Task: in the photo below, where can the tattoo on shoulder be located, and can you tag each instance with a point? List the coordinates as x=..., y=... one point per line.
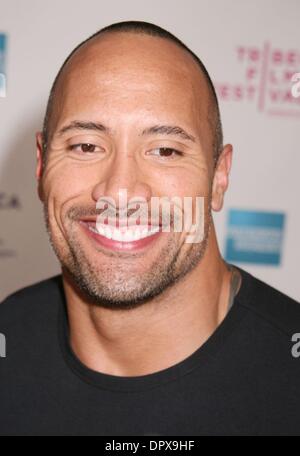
x=235, y=283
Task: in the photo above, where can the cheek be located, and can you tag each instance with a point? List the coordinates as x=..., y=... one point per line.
x=185, y=183
x=193, y=190
x=64, y=185
x=67, y=181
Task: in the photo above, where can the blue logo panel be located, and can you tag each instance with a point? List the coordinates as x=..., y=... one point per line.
x=2, y=65
x=254, y=237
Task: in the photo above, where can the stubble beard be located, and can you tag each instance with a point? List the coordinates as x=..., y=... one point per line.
x=115, y=287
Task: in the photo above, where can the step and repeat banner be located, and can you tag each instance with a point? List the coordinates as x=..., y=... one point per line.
x=252, y=52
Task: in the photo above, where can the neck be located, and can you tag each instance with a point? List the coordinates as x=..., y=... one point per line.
x=160, y=333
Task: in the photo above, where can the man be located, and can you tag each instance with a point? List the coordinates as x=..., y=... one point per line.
x=143, y=333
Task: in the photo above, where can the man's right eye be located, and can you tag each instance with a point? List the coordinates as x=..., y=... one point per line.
x=84, y=147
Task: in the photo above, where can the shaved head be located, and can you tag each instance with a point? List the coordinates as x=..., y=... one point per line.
x=138, y=28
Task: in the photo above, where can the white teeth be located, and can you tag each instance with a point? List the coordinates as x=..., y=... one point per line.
x=136, y=235
x=126, y=235
x=91, y=228
x=101, y=230
x=108, y=232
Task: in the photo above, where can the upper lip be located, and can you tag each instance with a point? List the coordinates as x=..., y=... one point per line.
x=119, y=222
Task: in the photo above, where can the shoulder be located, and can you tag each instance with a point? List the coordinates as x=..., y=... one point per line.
x=26, y=303
x=268, y=303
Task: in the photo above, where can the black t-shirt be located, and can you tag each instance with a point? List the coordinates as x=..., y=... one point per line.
x=244, y=380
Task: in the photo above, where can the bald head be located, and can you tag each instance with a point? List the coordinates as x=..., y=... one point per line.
x=92, y=51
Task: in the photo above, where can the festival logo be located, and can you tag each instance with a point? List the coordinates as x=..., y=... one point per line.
x=267, y=78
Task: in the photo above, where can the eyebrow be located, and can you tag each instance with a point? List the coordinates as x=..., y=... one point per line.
x=169, y=130
x=173, y=130
x=81, y=125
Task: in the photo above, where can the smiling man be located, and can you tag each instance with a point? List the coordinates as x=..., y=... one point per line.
x=143, y=332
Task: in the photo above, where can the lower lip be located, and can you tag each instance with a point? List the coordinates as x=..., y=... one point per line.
x=117, y=245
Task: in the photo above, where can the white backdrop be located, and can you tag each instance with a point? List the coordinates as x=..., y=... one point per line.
x=249, y=49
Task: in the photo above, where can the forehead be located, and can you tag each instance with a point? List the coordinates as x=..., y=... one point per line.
x=127, y=72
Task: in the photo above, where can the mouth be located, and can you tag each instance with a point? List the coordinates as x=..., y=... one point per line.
x=120, y=237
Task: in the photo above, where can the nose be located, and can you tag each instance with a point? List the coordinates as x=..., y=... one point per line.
x=123, y=180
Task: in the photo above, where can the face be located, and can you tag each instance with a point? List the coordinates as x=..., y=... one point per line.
x=112, y=134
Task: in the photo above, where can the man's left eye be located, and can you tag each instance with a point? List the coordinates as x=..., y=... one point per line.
x=83, y=147
x=166, y=152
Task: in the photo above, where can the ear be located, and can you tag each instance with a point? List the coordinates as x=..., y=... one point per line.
x=39, y=163
x=221, y=177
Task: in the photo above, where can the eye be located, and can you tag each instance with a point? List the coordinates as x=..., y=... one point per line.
x=165, y=152
x=84, y=147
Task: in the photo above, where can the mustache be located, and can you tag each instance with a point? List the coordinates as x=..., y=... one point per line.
x=76, y=213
